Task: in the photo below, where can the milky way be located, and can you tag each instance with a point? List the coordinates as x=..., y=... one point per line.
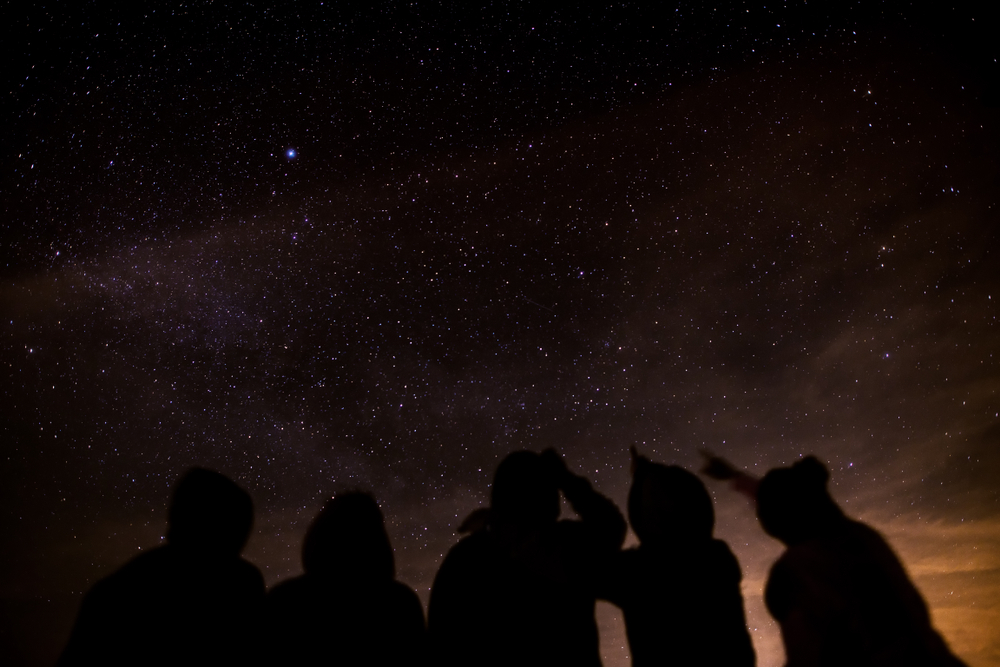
x=323, y=249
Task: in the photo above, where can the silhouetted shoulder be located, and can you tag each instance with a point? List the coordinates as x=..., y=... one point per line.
x=681, y=606
x=321, y=622
x=192, y=601
x=287, y=591
x=726, y=564
x=845, y=598
x=839, y=592
x=489, y=607
x=249, y=573
x=845, y=566
x=457, y=583
x=479, y=544
x=168, y=596
x=643, y=563
x=409, y=609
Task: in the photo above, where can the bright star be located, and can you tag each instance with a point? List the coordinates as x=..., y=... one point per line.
x=291, y=153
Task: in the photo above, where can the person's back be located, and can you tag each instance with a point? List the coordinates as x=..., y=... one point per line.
x=861, y=606
x=839, y=592
x=521, y=590
x=683, y=607
x=192, y=601
x=347, y=609
x=679, y=590
x=489, y=607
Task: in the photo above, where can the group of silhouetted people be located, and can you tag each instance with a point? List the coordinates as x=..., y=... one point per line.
x=520, y=587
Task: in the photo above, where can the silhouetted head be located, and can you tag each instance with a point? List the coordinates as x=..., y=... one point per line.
x=525, y=491
x=668, y=504
x=793, y=504
x=209, y=513
x=347, y=539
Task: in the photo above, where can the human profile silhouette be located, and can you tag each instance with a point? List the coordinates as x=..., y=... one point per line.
x=679, y=590
x=348, y=608
x=521, y=589
x=839, y=592
x=192, y=601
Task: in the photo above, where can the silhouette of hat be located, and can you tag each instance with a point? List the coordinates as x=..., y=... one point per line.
x=668, y=503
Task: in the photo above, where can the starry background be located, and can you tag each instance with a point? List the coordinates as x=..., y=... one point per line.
x=319, y=247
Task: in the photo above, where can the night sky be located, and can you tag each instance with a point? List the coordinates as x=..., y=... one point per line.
x=321, y=247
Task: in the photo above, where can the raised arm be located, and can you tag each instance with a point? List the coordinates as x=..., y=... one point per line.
x=601, y=517
x=719, y=468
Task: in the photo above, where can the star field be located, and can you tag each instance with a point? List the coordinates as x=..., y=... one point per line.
x=322, y=247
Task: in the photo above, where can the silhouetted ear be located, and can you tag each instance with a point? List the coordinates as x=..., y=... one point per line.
x=811, y=471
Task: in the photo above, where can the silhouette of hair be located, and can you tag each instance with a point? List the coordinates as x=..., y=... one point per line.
x=839, y=592
x=348, y=536
x=347, y=609
x=209, y=512
x=793, y=504
x=668, y=503
x=525, y=490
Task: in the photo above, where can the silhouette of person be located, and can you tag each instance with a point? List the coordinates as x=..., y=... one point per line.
x=521, y=589
x=839, y=593
x=679, y=589
x=348, y=608
x=192, y=601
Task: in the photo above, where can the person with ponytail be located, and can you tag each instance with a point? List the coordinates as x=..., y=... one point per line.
x=839, y=592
